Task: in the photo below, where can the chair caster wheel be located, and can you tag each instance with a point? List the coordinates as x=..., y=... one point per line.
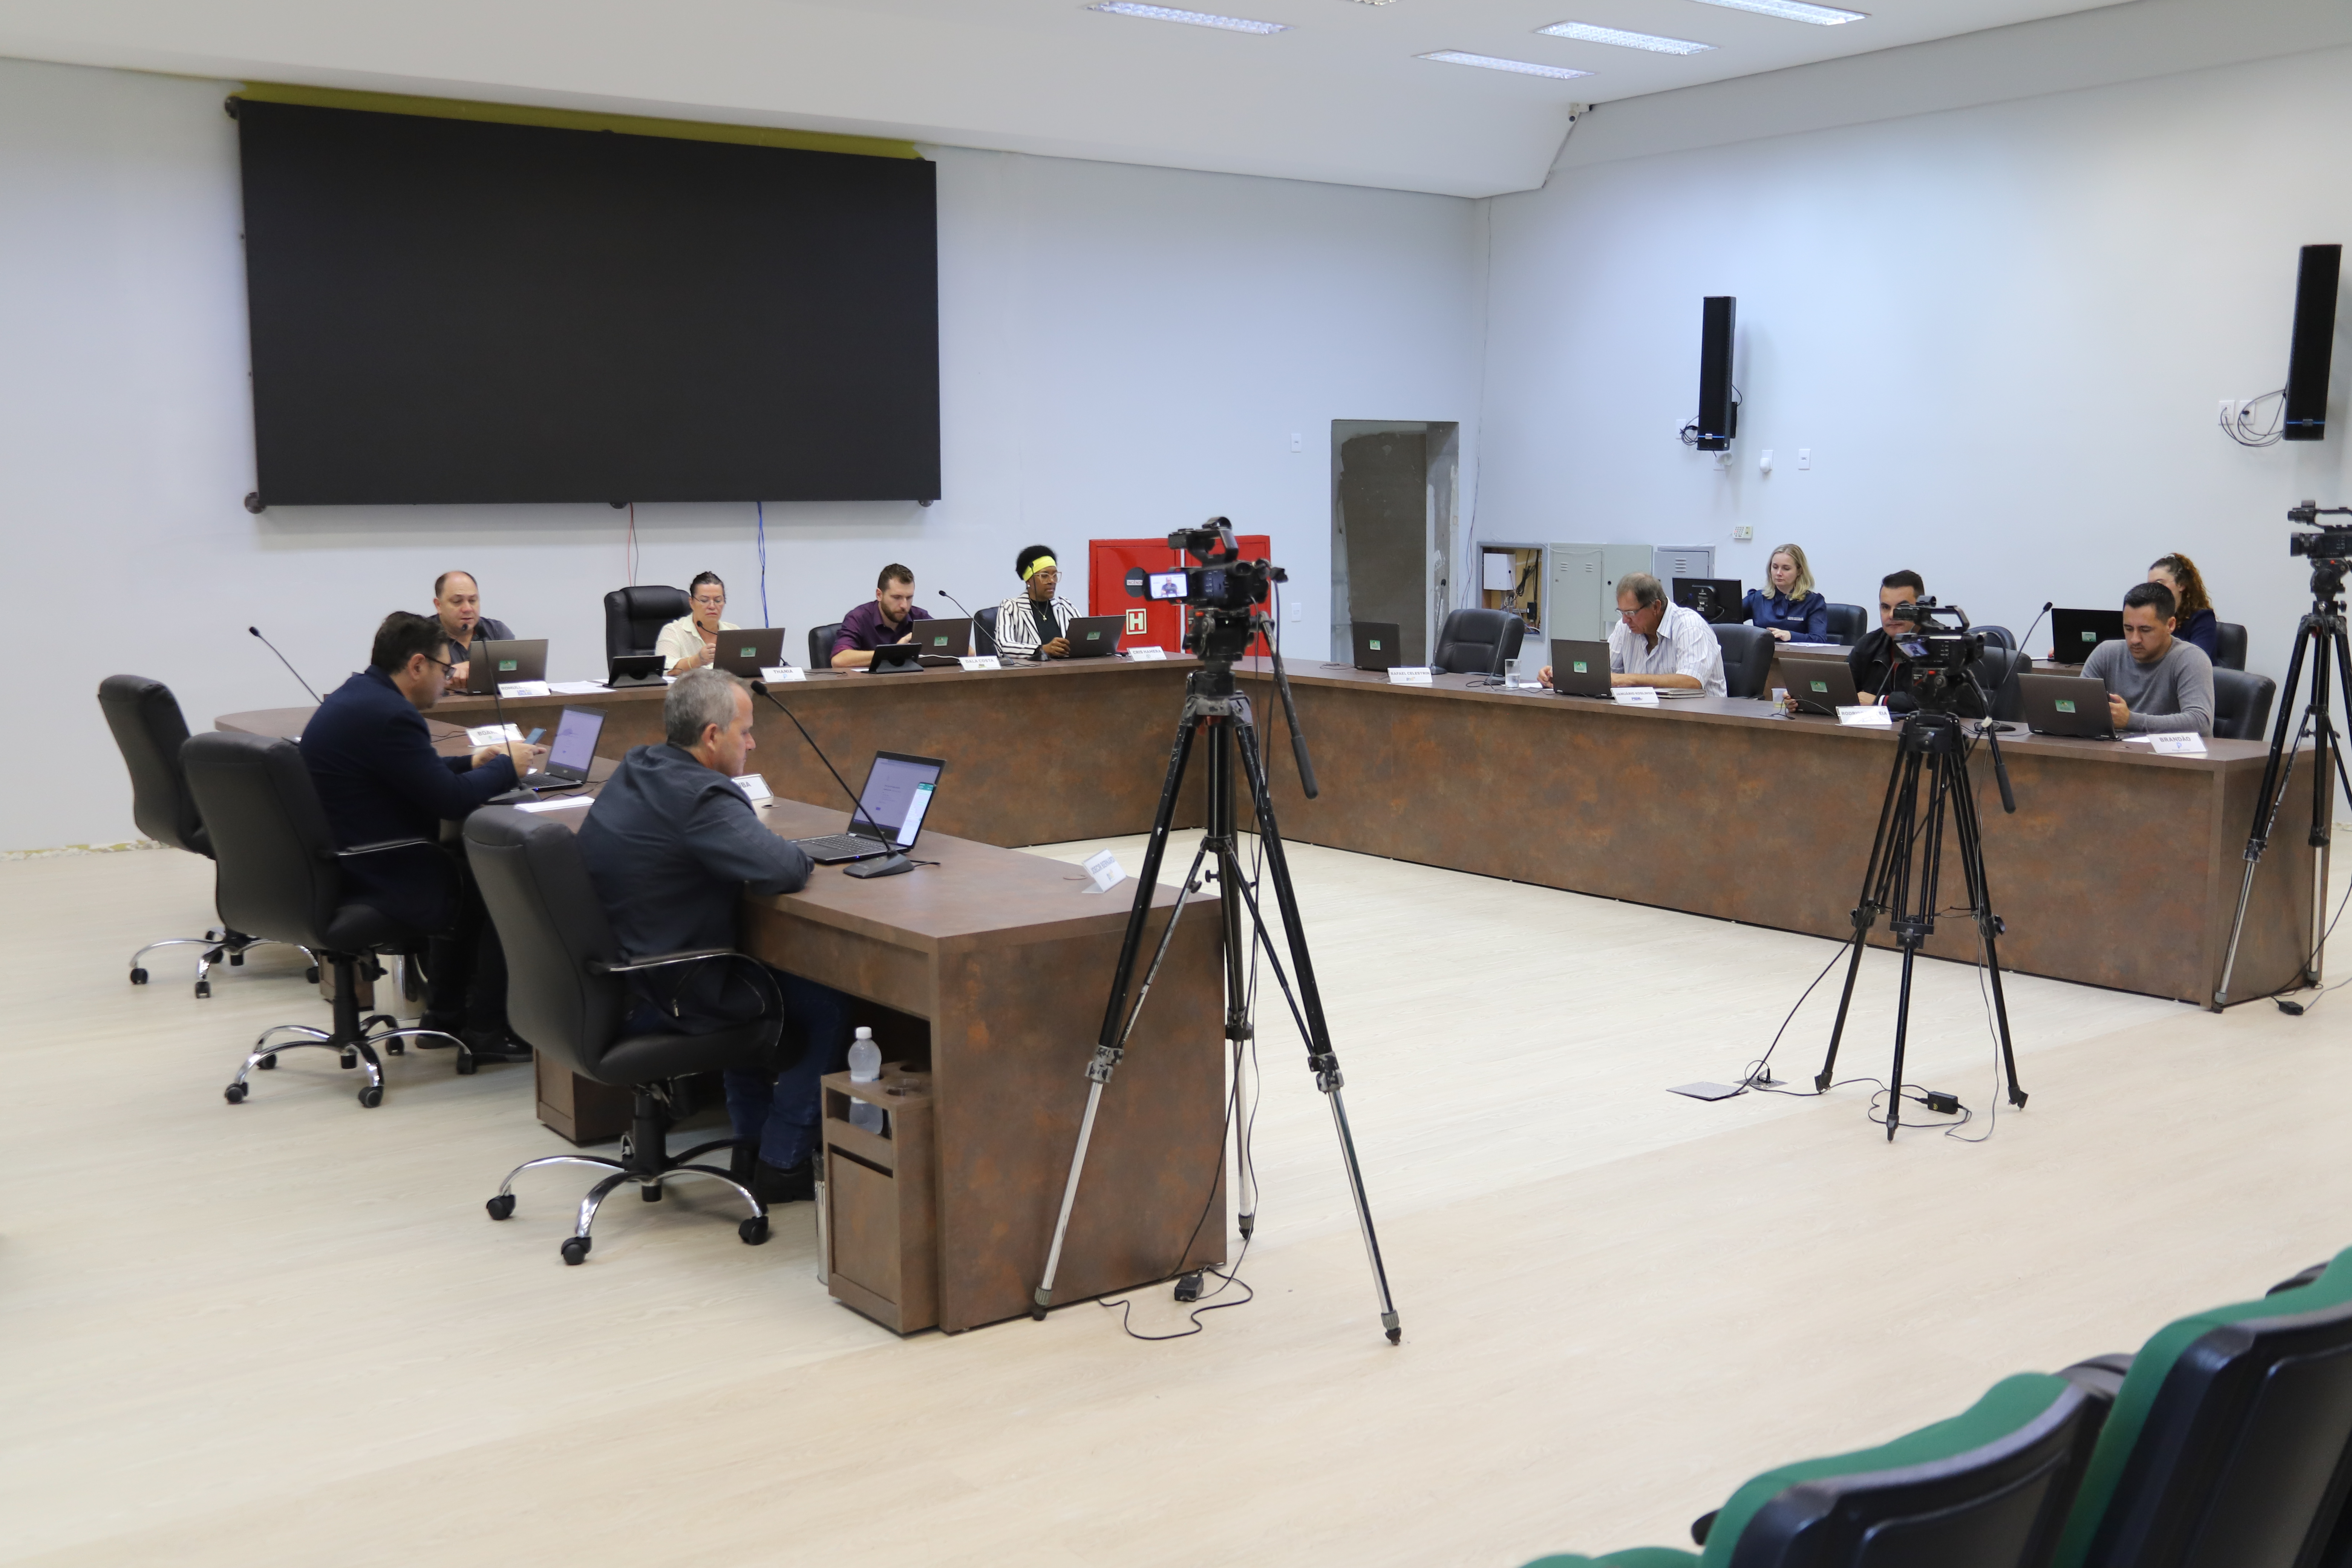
x=466, y=1064
x=501, y=1206
x=348, y=1060
x=649, y=1192
x=212, y=955
x=575, y=1249
x=372, y=1096
x=753, y=1230
x=234, y=1093
x=267, y=1064
x=396, y=1048
x=236, y=961
x=204, y=989
x=310, y=976
x=137, y=977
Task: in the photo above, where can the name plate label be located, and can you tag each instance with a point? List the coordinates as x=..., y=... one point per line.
x=1635, y=696
x=784, y=672
x=1867, y=716
x=754, y=785
x=524, y=689
x=2187, y=743
x=1409, y=675
x=494, y=735
x=1106, y=870
x=1147, y=654
x=980, y=661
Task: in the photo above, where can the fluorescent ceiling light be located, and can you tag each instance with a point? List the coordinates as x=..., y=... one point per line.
x=1586, y=32
x=1793, y=11
x=1197, y=18
x=1525, y=68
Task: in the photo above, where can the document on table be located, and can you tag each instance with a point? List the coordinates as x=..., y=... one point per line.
x=565, y=804
x=574, y=688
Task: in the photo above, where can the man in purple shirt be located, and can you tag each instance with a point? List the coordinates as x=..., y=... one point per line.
x=890, y=618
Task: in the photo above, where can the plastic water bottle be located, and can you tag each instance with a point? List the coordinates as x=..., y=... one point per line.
x=864, y=1066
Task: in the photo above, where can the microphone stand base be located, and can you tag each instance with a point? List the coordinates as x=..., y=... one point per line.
x=887, y=866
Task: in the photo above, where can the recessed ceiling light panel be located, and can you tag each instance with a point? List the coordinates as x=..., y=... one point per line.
x=1196, y=18
x=1793, y=11
x=1586, y=32
x=1492, y=63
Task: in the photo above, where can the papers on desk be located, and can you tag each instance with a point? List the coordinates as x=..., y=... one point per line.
x=565, y=804
x=524, y=689
x=574, y=688
x=494, y=735
x=2186, y=742
x=1867, y=716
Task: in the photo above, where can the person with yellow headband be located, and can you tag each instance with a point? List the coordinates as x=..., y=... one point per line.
x=1035, y=623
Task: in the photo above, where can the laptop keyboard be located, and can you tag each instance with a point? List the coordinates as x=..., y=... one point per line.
x=841, y=846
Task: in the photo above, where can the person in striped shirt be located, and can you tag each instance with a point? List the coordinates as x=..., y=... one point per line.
x=1036, y=622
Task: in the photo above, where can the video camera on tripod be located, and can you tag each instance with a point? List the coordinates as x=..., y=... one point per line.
x=2332, y=545
x=1940, y=647
x=1223, y=592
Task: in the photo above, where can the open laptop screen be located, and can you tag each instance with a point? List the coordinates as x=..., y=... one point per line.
x=575, y=741
x=898, y=793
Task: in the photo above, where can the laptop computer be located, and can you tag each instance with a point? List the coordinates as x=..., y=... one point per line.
x=1820, y=685
x=2066, y=705
x=2074, y=633
x=1579, y=669
x=747, y=653
x=624, y=670
x=1715, y=599
x=1376, y=645
x=1093, y=637
x=939, y=643
x=896, y=798
x=489, y=664
x=569, y=753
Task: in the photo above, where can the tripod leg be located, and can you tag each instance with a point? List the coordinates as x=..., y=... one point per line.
x=2323, y=779
x=1901, y=783
x=1238, y=1028
x=1989, y=926
x=2276, y=773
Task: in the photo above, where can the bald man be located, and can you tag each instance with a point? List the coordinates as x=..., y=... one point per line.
x=458, y=601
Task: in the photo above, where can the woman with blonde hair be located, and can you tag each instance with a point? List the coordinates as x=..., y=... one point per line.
x=1790, y=610
x=2192, y=612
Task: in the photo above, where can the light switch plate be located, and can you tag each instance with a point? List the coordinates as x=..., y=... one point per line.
x=1804, y=457
x=1743, y=534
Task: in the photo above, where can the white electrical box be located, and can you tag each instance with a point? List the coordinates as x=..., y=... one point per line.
x=1584, y=587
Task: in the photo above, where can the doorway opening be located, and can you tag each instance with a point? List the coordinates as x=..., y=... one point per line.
x=1395, y=517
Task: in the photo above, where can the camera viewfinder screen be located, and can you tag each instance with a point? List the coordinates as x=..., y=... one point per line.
x=1167, y=584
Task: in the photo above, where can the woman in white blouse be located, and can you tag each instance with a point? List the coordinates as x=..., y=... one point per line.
x=691, y=641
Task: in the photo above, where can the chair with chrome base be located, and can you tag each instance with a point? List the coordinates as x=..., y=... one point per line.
x=565, y=994
x=282, y=877
x=1989, y=1488
x=149, y=731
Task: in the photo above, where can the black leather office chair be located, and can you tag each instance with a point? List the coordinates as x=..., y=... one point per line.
x=820, y=644
x=984, y=628
x=2229, y=645
x=1996, y=672
x=1848, y=622
x=1478, y=642
x=2241, y=704
x=149, y=731
x=1999, y=637
x=565, y=996
x=282, y=877
x=635, y=616
x=1746, y=658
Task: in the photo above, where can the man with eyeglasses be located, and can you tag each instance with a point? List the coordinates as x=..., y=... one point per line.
x=1656, y=642
x=691, y=641
x=1036, y=622
x=379, y=779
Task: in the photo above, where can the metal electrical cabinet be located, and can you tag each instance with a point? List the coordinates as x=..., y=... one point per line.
x=1584, y=587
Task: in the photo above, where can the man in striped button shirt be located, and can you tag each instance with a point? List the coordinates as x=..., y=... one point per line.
x=1656, y=642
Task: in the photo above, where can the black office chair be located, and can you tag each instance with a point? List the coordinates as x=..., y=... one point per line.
x=2241, y=704
x=2231, y=1438
x=2229, y=645
x=149, y=731
x=564, y=995
x=1997, y=670
x=1999, y=636
x=820, y=644
x=1746, y=658
x=635, y=616
x=984, y=628
x=282, y=877
x=1479, y=642
x=1848, y=622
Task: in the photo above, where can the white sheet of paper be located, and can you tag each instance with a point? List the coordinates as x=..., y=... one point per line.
x=980, y=661
x=1147, y=654
x=492, y=735
x=1867, y=716
x=1106, y=870
x=1635, y=696
x=753, y=785
x=2187, y=743
x=524, y=689
x=1409, y=675
x=573, y=687
x=565, y=804
x=784, y=672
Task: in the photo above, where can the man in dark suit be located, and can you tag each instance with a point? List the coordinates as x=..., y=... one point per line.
x=457, y=604
x=672, y=845
x=379, y=779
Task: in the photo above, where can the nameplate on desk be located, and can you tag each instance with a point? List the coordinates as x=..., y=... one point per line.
x=1106, y=870
x=566, y=804
x=1867, y=716
x=980, y=661
x=494, y=735
x=784, y=672
x=1409, y=675
x=1635, y=696
x=2185, y=743
x=524, y=689
x=1147, y=654
x=753, y=785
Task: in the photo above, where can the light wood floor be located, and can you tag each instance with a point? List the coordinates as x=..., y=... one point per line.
x=286, y=1333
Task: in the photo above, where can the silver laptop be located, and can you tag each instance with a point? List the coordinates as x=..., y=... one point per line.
x=490, y=665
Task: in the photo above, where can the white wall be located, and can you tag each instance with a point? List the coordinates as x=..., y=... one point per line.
x=1123, y=350
x=2003, y=332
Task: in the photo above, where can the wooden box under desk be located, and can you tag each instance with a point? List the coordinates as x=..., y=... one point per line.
x=881, y=1197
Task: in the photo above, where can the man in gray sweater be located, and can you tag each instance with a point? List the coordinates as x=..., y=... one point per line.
x=2155, y=681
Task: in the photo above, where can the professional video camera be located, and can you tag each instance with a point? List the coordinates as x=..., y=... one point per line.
x=1940, y=647
x=2331, y=546
x=1223, y=593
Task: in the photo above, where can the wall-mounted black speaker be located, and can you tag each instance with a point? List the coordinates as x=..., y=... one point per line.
x=2315, y=338
x=1718, y=417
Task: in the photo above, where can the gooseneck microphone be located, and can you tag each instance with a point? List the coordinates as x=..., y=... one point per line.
x=959, y=605
x=286, y=662
x=2018, y=656
x=891, y=865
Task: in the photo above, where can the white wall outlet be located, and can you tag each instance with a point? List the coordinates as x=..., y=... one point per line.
x=1743, y=534
x=1764, y=463
x=1804, y=457
x=1297, y=442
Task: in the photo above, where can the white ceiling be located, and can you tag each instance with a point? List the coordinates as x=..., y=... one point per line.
x=1340, y=97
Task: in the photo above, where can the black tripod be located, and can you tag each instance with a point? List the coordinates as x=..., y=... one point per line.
x=1214, y=710
x=1934, y=744
x=2320, y=633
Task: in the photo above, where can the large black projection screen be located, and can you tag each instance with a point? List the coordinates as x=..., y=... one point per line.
x=450, y=310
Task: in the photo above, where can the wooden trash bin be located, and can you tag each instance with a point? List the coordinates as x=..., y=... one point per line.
x=881, y=1219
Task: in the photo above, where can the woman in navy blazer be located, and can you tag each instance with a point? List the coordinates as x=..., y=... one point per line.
x=1791, y=611
x=2193, y=617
